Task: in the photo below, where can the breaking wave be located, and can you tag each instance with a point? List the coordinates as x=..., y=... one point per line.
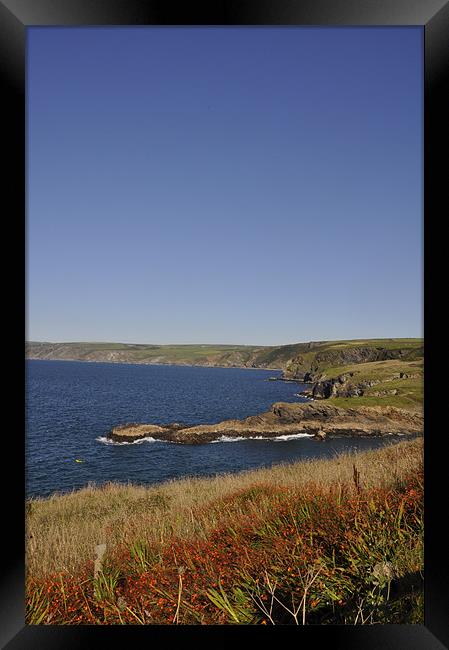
x=108, y=441
x=291, y=436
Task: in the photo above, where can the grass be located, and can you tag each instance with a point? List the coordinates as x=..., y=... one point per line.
x=385, y=377
x=329, y=359
x=376, y=369
x=139, y=352
x=409, y=403
x=410, y=395
x=297, y=355
x=312, y=542
x=389, y=344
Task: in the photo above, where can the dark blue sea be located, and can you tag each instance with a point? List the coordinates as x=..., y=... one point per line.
x=71, y=405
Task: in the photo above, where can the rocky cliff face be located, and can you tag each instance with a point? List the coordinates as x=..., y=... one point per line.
x=309, y=368
x=348, y=385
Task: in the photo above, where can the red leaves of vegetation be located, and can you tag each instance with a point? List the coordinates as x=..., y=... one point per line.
x=307, y=561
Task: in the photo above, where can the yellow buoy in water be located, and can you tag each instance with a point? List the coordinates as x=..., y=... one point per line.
x=77, y=460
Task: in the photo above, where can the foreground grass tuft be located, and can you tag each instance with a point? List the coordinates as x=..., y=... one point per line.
x=322, y=542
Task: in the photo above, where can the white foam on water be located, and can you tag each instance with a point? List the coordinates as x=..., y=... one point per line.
x=108, y=441
x=291, y=436
x=227, y=439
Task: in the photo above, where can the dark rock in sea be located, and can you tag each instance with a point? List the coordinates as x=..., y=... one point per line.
x=317, y=419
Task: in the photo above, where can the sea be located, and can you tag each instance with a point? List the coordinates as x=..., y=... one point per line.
x=71, y=406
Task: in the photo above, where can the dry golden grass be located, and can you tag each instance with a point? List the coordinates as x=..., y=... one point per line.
x=62, y=531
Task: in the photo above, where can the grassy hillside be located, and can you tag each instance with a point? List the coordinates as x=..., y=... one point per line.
x=336, y=541
x=140, y=353
x=321, y=360
x=382, y=383
x=295, y=359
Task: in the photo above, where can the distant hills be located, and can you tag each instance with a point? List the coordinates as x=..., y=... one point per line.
x=296, y=360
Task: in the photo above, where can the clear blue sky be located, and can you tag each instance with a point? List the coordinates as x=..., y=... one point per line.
x=224, y=185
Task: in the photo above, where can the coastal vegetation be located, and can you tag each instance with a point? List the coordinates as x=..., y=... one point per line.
x=316, y=542
x=394, y=382
x=334, y=541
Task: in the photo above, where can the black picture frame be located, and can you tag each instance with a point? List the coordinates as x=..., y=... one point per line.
x=433, y=15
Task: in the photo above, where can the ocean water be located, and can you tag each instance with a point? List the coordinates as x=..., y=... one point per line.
x=70, y=407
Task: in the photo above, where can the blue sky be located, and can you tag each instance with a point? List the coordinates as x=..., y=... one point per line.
x=224, y=185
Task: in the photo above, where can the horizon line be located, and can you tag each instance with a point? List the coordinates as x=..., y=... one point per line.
x=253, y=345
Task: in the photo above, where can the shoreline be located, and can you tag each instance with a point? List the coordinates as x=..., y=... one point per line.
x=332, y=462
x=180, y=365
x=311, y=418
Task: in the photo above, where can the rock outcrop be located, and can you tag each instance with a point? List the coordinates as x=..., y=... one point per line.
x=317, y=419
x=349, y=385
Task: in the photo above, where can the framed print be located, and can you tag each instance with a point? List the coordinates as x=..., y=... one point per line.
x=230, y=234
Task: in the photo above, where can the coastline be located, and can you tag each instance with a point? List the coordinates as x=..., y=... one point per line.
x=160, y=363
x=316, y=419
